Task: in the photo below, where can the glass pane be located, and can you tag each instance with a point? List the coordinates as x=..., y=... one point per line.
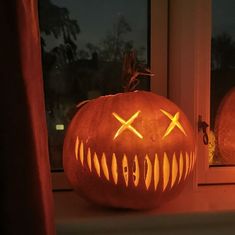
x=222, y=134
x=83, y=43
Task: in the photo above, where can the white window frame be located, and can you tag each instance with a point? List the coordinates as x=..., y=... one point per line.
x=159, y=46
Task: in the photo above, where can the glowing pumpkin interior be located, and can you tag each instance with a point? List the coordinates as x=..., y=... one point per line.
x=130, y=150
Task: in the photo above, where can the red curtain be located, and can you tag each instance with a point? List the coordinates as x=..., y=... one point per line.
x=26, y=187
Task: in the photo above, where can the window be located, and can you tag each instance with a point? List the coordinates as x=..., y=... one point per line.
x=76, y=36
x=222, y=148
x=191, y=69
x=218, y=169
x=184, y=63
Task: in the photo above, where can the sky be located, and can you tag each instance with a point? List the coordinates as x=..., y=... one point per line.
x=223, y=17
x=95, y=18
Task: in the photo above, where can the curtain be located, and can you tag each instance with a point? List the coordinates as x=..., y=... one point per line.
x=26, y=194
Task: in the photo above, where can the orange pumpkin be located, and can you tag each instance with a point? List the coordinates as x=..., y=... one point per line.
x=129, y=150
x=225, y=128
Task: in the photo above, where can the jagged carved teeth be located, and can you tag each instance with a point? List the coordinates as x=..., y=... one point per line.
x=168, y=172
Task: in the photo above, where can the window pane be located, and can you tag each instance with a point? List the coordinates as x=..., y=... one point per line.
x=83, y=42
x=222, y=135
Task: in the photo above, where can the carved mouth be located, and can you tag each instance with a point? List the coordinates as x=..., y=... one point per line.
x=173, y=171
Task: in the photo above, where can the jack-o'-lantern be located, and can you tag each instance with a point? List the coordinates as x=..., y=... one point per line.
x=129, y=150
x=225, y=128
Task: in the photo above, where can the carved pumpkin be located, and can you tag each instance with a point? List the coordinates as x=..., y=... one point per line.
x=225, y=128
x=129, y=150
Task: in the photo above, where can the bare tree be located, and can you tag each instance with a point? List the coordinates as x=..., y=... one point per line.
x=114, y=44
x=56, y=20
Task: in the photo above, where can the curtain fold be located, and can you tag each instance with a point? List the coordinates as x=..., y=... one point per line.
x=25, y=173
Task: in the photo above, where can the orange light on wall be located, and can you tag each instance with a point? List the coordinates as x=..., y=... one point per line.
x=225, y=128
x=129, y=150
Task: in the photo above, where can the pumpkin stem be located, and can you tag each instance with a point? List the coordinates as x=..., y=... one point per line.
x=131, y=71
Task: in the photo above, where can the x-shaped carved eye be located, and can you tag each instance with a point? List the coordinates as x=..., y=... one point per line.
x=127, y=125
x=174, y=122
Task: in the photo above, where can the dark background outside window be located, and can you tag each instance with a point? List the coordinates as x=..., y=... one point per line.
x=83, y=43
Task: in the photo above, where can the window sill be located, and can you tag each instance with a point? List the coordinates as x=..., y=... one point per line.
x=204, y=207
x=203, y=224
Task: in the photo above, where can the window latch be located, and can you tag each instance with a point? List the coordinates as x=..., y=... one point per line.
x=202, y=126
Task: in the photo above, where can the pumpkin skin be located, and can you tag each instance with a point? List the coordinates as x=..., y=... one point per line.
x=225, y=128
x=107, y=161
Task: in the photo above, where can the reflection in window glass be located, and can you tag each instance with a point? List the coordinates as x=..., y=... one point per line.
x=222, y=135
x=83, y=43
